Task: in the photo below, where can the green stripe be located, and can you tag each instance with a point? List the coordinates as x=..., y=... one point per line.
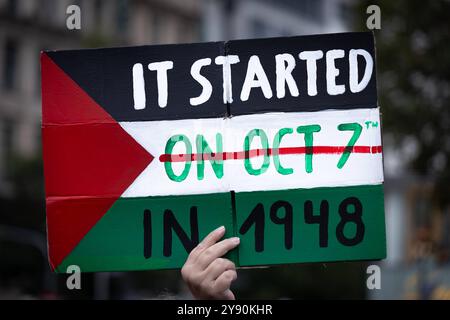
x=116, y=243
x=305, y=237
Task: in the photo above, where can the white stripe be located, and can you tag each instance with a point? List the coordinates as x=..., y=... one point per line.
x=360, y=169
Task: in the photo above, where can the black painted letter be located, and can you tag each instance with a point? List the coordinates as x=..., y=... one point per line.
x=170, y=223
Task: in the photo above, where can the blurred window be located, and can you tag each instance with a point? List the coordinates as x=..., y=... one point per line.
x=258, y=28
x=11, y=6
x=98, y=8
x=46, y=10
x=122, y=15
x=9, y=64
x=156, y=27
x=345, y=12
x=311, y=9
x=183, y=29
x=7, y=145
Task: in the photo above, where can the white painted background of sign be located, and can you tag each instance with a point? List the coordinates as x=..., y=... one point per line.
x=360, y=169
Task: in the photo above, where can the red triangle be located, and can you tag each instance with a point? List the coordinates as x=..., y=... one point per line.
x=69, y=220
x=63, y=101
x=89, y=160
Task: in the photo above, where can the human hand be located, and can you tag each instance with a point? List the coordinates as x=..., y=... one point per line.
x=207, y=274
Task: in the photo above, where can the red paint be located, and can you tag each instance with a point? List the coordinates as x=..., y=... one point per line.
x=63, y=101
x=87, y=165
x=69, y=219
x=90, y=160
x=259, y=152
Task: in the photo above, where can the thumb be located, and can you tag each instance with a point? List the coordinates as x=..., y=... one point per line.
x=228, y=295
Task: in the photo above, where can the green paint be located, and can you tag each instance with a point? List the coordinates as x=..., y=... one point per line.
x=356, y=128
x=309, y=142
x=265, y=146
x=306, y=246
x=116, y=242
x=187, y=164
x=203, y=148
x=369, y=123
x=276, y=158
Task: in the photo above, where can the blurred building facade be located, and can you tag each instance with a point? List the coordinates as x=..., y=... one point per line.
x=26, y=28
x=238, y=19
x=29, y=26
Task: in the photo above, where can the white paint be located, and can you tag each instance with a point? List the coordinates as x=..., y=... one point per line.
x=311, y=58
x=153, y=136
x=256, y=76
x=360, y=169
x=161, y=69
x=206, y=85
x=285, y=64
x=255, y=68
x=332, y=72
x=226, y=62
x=356, y=86
x=138, y=87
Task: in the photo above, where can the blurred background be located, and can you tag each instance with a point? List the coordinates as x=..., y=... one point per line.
x=413, y=65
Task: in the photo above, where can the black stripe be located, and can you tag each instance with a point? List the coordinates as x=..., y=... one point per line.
x=266, y=49
x=106, y=76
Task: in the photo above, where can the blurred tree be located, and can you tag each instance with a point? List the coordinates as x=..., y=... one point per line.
x=413, y=62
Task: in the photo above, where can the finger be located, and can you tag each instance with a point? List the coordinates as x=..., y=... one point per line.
x=216, y=251
x=208, y=241
x=224, y=281
x=228, y=295
x=217, y=267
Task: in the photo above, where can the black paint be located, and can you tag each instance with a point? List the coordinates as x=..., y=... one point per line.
x=256, y=218
x=287, y=220
x=321, y=219
x=171, y=224
x=266, y=49
x=106, y=76
x=350, y=217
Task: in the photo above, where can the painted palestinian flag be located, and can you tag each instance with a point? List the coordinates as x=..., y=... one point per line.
x=148, y=149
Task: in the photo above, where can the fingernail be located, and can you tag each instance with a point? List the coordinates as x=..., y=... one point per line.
x=221, y=228
x=235, y=240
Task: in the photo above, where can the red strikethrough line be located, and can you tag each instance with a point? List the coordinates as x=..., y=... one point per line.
x=260, y=152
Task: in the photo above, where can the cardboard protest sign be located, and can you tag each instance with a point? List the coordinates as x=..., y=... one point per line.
x=148, y=149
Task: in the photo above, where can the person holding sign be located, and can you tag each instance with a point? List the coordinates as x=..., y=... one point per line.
x=206, y=273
